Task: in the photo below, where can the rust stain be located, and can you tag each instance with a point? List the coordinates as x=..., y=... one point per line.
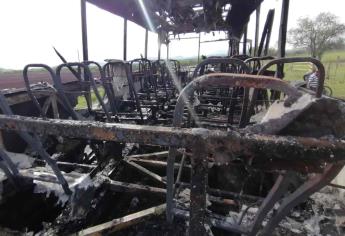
x=103, y=134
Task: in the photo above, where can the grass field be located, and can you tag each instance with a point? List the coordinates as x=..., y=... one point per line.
x=82, y=101
x=334, y=62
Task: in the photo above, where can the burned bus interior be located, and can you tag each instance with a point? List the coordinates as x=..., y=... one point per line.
x=224, y=147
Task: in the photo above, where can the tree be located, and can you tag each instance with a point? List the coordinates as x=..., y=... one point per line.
x=317, y=35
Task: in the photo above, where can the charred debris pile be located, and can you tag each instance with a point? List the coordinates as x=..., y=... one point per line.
x=222, y=150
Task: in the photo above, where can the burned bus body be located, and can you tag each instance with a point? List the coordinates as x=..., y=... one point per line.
x=229, y=149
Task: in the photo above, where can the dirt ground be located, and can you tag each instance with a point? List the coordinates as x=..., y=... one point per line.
x=15, y=79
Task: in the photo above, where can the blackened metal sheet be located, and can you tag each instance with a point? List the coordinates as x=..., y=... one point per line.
x=181, y=16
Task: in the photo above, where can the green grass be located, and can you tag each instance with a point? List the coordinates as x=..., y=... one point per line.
x=82, y=101
x=334, y=63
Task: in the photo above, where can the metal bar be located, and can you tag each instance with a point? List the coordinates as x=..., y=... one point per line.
x=146, y=41
x=336, y=186
x=278, y=190
x=245, y=39
x=199, y=184
x=159, y=47
x=145, y=171
x=125, y=39
x=283, y=35
x=313, y=185
x=84, y=30
x=36, y=144
x=183, y=38
x=47, y=104
x=54, y=105
x=123, y=222
x=217, y=221
x=73, y=71
x=212, y=41
x=257, y=28
x=68, y=165
x=181, y=166
x=272, y=147
x=95, y=88
x=210, y=61
x=28, y=87
x=232, y=195
x=131, y=188
x=167, y=51
x=150, y=155
x=199, y=48
x=265, y=32
x=117, y=186
x=170, y=184
x=269, y=33
x=154, y=163
x=61, y=91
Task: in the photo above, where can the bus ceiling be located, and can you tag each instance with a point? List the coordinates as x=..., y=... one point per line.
x=184, y=16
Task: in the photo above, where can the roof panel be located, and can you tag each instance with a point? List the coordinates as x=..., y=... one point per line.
x=184, y=16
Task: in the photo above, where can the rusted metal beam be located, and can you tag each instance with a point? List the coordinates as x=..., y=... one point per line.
x=199, y=182
x=154, y=155
x=147, y=172
x=232, y=143
x=217, y=221
x=118, y=186
x=123, y=222
x=227, y=194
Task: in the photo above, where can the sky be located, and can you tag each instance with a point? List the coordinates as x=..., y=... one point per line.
x=30, y=28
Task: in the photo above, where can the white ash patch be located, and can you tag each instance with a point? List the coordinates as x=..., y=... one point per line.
x=51, y=188
x=21, y=160
x=279, y=116
x=277, y=109
x=84, y=182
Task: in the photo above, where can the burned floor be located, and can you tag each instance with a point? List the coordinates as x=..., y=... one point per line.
x=233, y=152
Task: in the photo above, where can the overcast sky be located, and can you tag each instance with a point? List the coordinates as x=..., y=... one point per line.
x=29, y=29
